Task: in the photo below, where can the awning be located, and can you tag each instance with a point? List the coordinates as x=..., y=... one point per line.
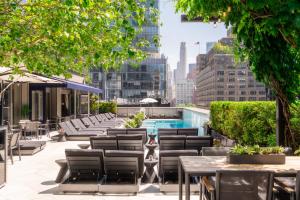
x=82, y=87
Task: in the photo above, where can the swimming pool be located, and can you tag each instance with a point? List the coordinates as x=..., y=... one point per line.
x=190, y=119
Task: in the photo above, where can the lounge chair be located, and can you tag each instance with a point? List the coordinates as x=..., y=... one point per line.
x=86, y=170
x=123, y=170
x=188, y=131
x=168, y=169
x=79, y=126
x=197, y=142
x=106, y=123
x=104, y=142
x=215, y=151
x=117, y=131
x=130, y=142
x=172, y=142
x=31, y=147
x=242, y=184
x=72, y=134
x=89, y=124
x=142, y=131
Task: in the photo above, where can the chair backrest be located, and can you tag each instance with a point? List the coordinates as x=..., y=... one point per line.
x=166, y=132
x=104, y=142
x=126, y=161
x=104, y=118
x=107, y=116
x=32, y=126
x=87, y=122
x=244, y=185
x=85, y=161
x=98, y=117
x=112, y=114
x=188, y=131
x=172, y=142
x=168, y=160
x=130, y=142
x=78, y=124
x=197, y=142
x=142, y=131
x=94, y=120
x=116, y=131
x=14, y=139
x=65, y=128
x=215, y=151
x=71, y=127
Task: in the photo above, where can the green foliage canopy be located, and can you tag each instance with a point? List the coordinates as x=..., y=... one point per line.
x=55, y=36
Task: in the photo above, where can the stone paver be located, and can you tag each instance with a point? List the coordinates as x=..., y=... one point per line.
x=33, y=177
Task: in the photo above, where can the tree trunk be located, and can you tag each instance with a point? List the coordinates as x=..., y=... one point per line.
x=282, y=105
x=280, y=124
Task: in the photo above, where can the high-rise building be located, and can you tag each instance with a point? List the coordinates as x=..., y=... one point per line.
x=135, y=83
x=192, y=66
x=181, y=66
x=220, y=78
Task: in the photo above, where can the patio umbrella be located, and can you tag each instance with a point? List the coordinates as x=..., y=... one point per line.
x=148, y=100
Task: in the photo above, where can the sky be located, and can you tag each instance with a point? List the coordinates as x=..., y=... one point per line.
x=173, y=32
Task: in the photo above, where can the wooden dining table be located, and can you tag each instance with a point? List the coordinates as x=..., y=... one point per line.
x=208, y=165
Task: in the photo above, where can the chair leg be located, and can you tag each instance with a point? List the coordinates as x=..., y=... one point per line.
x=11, y=155
x=19, y=151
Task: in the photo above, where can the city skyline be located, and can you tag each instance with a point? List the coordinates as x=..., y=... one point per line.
x=173, y=32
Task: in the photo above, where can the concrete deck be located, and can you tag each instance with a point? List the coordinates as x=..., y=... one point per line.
x=33, y=177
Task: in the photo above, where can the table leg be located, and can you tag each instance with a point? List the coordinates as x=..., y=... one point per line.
x=180, y=179
x=187, y=186
x=62, y=172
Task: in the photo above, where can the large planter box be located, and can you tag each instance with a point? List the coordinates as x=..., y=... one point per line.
x=256, y=159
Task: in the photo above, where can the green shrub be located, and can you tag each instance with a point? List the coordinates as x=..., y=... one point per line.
x=136, y=121
x=105, y=107
x=250, y=123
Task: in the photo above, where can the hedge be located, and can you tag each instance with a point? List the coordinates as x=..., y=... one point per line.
x=104, y=107
x=250, y=123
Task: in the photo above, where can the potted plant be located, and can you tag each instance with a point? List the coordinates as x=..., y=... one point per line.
x=256, y=155
x=25, y=111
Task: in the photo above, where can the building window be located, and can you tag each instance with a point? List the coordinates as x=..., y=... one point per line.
x=242, y=98
x=231, y=99
x=95, y=77
x=220, y=98
x=262, y=92
x=220, y=92
x=220, y=73
x=243, y=93
x=231, y=79
x=231, y=92
x=262, y=98
x=252, y=98
x=252, y=92
x=242, y=86
x=220, y=79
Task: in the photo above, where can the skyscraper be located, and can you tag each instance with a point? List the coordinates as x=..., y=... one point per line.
x=135, y=83
x=182, y=62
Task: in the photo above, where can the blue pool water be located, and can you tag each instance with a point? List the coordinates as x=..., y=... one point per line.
x=190, y=119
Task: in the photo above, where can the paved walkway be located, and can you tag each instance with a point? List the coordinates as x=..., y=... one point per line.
x=32, y=178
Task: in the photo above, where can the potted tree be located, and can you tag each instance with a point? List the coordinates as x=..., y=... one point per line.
x=25, y=111
x=256, y=155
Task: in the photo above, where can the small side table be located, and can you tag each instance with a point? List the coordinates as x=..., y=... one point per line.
x=152, y=138
x=63, y=170
x=84, y=146
x=150, y=175
x=151, y=150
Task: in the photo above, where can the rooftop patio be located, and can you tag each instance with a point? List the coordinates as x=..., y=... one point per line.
x=34, y=178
